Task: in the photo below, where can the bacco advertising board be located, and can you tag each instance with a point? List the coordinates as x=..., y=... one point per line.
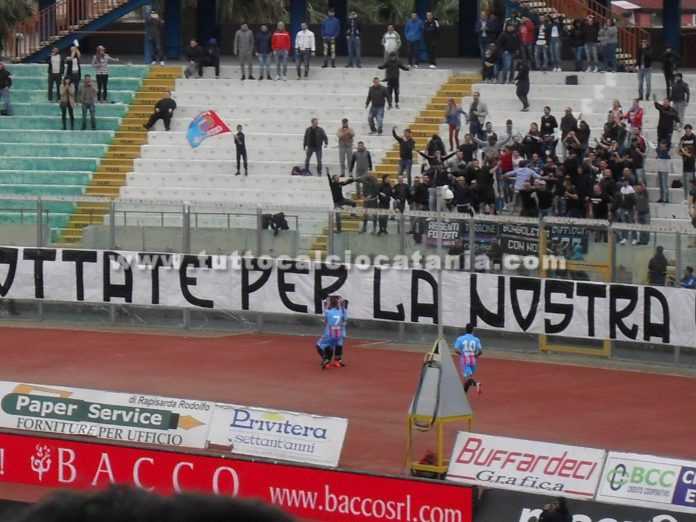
x=645, y=480
x=524, y=465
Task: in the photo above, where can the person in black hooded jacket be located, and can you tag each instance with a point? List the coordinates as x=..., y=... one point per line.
x=391, y=68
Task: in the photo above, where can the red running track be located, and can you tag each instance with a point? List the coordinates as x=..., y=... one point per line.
x=587, y=406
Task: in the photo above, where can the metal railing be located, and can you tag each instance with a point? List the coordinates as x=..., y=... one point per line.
x=52, y=23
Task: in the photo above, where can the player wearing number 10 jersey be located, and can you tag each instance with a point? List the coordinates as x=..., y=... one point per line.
x=469, y=348
x=330, y=344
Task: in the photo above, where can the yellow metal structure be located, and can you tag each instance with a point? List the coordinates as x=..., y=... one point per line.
x=111, y=174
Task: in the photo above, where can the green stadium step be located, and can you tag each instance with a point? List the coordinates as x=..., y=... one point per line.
x=29, y=177
x=39, y=96
x=35, y=84
x=42, y=190
x=54, y=137
x=108, y=110
x=54, y=151
x=115, y=71
x=64, y=207
x=55, y=123
x=54, y=220
x=47, y=164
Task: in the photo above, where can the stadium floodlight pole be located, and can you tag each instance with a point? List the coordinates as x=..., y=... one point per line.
x=440, y=325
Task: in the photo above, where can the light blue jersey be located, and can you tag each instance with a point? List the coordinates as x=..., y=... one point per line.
x=469, y=348
x=334, y=328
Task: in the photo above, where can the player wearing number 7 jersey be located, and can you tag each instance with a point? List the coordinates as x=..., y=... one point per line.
x=468, y=346
x=330, y=344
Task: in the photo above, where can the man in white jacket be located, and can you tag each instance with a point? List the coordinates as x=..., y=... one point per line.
x=391, y=41
x=304, y=49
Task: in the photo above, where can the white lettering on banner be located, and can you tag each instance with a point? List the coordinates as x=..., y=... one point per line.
x=523, y=465
x=65, y=465
x=136, y=472
x=281, y=435
x=104, y=415
x=216, y=481
x=648, y=481
x=175, y=474
x=657, y=315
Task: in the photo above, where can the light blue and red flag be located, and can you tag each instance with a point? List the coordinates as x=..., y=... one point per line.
x=205, y=125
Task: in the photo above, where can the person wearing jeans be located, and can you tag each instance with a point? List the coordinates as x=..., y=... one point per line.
x=263, y=51
x=609, y=40
x=555, y=42
x=100, y=61
x=406, y=147
x=687, y=150
x=345, y=137
x=353, y=40
x=88, y=100
x=377, y=97
x=509, y=44
x=280, y=45
x=305, y=48
x=56, y=68
x=644, y=65
x=315, y=140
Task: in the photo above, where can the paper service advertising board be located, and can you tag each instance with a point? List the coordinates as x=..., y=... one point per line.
x=276, y=434
x=122, y=417
x=524, y=465
x=648, y=481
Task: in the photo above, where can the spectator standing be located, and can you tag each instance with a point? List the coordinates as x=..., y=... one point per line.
x=244, y=49
x=453, y=118
x=56, y=68
x=642, y=213
x=305, y=47
x=211, y=58
x=280, y=44
x=339, y=200
x=88, y=100
x=527, y=33
x=345, y=137
x=353, y=30
x=391, y=42
x=609, y=41
x=644, y=67
x=522, y=82
x=591, y=35
x=5, y=86
x=625, y=207
x=330, y=30
x=508, y=44
x=315, y=140
x=657, y=268
x=665, y=123
x=384, y=202
x=100, y=61
x=555, y=36
x=478, y=112
x=406, y=147
x=431, y=35
x=413, y=31
x=670, y=61
x=240, y=149
x=402, y=194
x=67, y=102
x=371, y=198
x=263, y=51
x=541, y=54
x=360, y=164
x=73, y=68
x=687, y=150
x=392, y=66
x=577, y=42
x=194, y=56
x=377, y=97
x=164, y=110
x=681, y=96
x=153, y=35
x=635, y=116
x=547, y=129
x=481, y=28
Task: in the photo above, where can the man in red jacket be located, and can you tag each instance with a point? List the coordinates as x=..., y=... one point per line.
x=527, y=31
x=280, y=44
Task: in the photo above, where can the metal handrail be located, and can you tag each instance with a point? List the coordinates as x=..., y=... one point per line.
x=52, y=23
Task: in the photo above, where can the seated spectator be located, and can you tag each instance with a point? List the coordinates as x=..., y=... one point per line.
x=211, y=58
x=194, y=56
x=689, y=280
x=657, y=268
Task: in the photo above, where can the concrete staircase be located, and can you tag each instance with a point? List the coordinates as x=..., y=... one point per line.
x=425, y=125
x=111, y=174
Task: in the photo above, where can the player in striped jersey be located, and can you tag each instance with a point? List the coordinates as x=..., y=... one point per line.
x=330, y=344
x=468, y=346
